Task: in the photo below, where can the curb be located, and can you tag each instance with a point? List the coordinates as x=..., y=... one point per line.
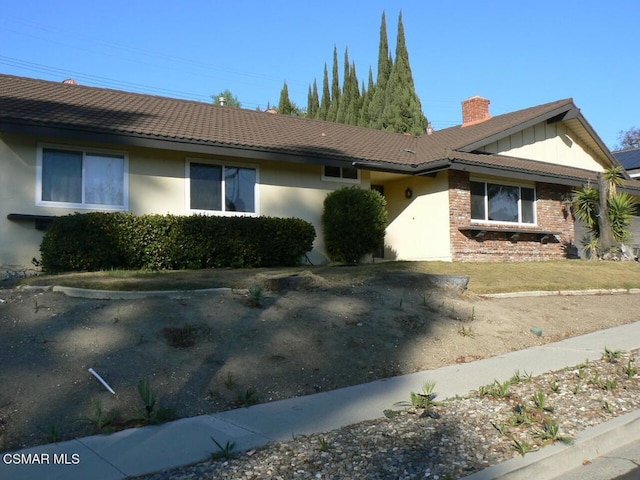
x=562, y=293
x=129, y=295
x=555, y=460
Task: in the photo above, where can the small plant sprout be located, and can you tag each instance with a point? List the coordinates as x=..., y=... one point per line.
x=521, y=446
x=550, y=432
x=425, y=399
x=230, y=381
x=607, y=407
x=540, y=401
x=152, y=415
x=256, y=296
x=520, y=417
x=148, y=397
x=502, y=428
x=466, y=331
x=500, y=390
x=101, y=419
x=609, y=384
x=578, y=388
x=523, y=377
x=247, y=397
x=611, y=356
x=554, y=385
x=224, y=451
x=324, y=444
x=630, y=370
x=51, y=433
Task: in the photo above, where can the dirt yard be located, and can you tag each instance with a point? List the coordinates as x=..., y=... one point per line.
x=204, y=353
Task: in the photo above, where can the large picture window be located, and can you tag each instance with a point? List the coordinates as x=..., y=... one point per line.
x=502, y=203
x=81, y=179
x=221, y=188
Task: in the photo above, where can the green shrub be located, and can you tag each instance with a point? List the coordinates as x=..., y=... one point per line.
x=101, y=241
x=354, y=221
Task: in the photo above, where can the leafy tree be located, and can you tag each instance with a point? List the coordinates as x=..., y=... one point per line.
x=230, y=100
x=354, y=222
x=629, y=139
x=402, y=109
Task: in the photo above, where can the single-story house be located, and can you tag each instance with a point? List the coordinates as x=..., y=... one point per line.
x=491, y=188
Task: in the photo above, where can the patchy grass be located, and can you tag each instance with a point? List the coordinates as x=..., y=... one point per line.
x=484, y=277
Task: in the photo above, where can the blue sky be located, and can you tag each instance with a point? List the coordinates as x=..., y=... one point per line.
x=517, y=54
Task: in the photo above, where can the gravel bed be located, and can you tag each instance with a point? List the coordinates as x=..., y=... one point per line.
x=460, y=437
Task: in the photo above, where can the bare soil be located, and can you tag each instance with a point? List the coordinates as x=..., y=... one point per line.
x=207, y=352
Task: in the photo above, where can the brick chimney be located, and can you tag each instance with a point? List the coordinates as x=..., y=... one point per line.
x=475, y=110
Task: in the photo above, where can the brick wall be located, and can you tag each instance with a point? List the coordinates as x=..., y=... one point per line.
x=496, y=245
x=475, y=110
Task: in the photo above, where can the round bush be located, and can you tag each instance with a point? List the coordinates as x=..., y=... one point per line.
x=354, y=221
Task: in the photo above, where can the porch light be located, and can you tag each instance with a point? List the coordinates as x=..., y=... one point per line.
x=408, y=193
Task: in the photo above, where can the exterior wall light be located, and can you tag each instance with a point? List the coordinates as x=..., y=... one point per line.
x=408, y=193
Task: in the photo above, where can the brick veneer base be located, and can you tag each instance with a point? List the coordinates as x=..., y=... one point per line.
x=496, y=245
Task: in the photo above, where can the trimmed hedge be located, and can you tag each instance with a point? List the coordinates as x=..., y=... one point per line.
x=103, y=241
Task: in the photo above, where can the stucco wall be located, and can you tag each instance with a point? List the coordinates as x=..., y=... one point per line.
x=496, y=245
x=548, y=142
x=156, y=185
x=418, y=227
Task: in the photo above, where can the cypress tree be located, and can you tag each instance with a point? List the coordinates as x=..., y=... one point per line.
x=355, y=100
x=323, y=111
x=367, y=95
x=313, y=103
x=402, y=111
x=335, y=89
x=285, y=107
x=378, y=98
x=345, y=96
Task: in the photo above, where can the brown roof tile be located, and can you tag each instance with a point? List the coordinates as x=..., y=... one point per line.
x=76, y=108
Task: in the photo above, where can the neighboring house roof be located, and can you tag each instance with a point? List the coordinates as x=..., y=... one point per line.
x=79, y=112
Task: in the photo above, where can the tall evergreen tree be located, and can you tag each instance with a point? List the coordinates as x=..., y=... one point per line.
x=335, y=89
x=325, y=103
x=345, y=96
x=402, y=111
x=367, y=95
x=378, y=98
x=355, y=100
x=285, y=107
x=313, y=103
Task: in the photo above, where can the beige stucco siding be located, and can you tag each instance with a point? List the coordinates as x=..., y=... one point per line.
x=156, y=184
x=551, y=143
x=19, y=242
x=418, y=227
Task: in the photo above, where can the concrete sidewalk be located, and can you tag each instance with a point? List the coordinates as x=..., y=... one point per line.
x=151, y=449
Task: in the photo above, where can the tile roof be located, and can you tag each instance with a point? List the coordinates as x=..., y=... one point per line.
x=26, y=102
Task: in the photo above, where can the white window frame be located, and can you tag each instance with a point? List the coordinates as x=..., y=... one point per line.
x=486, y=181
x=340, y=179
x=85, y=151
x=206, y=161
